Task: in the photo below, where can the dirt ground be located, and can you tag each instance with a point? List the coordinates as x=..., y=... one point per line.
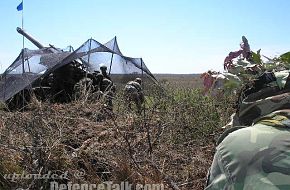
x=107, y=146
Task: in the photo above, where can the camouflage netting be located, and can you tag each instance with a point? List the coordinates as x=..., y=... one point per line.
x=93, y=54
x=28, y=67
x=31, y=65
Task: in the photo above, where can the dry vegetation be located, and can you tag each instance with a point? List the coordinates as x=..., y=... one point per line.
x=171, y=142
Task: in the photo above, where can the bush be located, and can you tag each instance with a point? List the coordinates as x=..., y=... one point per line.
x=170, y=142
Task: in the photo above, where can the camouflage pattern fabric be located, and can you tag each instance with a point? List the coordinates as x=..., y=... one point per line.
x=133, y=93
x=133, y=84
x=256, y=157
x=270, y=98
x=250, y=110
x=109, y=96
x=281, y=78
x=83, y=87
x=256, y=154
x=105, y=85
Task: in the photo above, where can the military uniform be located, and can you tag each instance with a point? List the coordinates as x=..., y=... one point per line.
x=109, y=95
x=105, y=85
x=83, y=87
x=256, y=157
x=134, y=93
x=103, y=69
x=256, y=153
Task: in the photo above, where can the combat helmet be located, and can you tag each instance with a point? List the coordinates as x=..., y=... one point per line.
x=139, y=80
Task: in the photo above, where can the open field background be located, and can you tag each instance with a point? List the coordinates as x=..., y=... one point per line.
x=184, y=80
x=172, y=142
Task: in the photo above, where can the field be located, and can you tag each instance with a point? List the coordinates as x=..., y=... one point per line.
x=171, y=142
x=184, y=80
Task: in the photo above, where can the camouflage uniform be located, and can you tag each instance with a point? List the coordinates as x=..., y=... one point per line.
x=103, y=69
x=256, y=154
x=109, y=96
x=83, y=88
x=133, y=93
x=105, y=85
x=256, y=157
x=106, y=92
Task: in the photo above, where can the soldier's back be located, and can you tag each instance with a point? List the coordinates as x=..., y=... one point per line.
x=256, y=157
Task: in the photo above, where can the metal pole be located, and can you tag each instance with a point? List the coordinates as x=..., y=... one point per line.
x=112, y=55
x=23, y=68
x=5, y=86
x=22, y=24
x=28, y=64
x=142, y=72
x=89, y=56
x=23, y=71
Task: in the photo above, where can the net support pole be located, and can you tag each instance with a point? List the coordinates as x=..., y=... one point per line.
x=23, y=68
x=4, y=90
x=142, y=73
x=23, y=71
x=89, y=55
x=28, y=64
x=112, y=56
x=22, y=26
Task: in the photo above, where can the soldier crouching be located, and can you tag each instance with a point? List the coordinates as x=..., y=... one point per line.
x=133, y=92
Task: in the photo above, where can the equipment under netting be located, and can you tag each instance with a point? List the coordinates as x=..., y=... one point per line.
x=51, y=73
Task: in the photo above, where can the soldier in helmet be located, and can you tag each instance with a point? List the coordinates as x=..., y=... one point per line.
x=103, y=69
x=134, y=93
x=106, y=92
x=97, y=80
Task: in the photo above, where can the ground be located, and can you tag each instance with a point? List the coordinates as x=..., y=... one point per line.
x=171, y=143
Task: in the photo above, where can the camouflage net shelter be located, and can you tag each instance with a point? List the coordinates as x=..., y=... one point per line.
x=27, y=68
x=120, y=67
x=33, y=68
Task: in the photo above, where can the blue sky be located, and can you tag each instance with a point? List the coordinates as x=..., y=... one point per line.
x=172, y=36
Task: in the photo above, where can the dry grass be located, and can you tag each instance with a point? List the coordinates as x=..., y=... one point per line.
x=172, y=142
x=184, y=80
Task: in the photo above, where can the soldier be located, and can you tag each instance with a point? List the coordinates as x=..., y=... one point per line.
x=103, y=69
x=134, y=93
x=83, y=88
x=101, y=85
x=97, y=80
x=255, y=154
x=109, y=95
